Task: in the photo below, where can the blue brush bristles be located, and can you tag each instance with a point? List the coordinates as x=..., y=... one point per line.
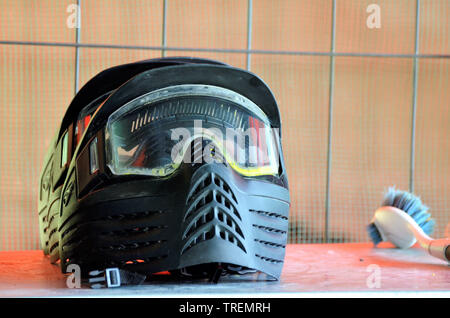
x=374, y=234
x=410, y=204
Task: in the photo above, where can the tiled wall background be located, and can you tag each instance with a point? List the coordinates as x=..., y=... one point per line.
x=362, y=108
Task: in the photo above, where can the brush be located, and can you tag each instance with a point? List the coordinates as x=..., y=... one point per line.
x=404, y=220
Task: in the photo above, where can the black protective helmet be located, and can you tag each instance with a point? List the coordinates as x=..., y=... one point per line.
x=171, y=164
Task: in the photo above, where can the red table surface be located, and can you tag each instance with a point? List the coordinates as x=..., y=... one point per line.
x=309, y=270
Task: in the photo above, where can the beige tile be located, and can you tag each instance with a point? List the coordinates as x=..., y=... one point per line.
x=35, y=20
x=370, y=139
x=291, y=25
x=207, y=24
x=434, y=27
x=118, y=22
x=300, y=85
x=396, y=32
x=432, y=163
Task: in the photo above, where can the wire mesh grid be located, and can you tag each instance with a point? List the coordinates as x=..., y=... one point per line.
x=363, y=108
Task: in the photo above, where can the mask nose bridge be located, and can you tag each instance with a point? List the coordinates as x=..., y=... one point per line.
x=212, y=210
x=211, y=175
x=202, y=151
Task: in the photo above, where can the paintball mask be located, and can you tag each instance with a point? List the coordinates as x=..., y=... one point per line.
x=167, y=165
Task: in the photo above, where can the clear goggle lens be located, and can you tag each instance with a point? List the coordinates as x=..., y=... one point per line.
x=154, y=134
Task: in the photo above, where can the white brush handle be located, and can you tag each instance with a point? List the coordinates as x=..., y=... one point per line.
x=400, y=229
x=439, y=248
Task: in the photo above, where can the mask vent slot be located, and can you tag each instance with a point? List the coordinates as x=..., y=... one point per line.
x=211, y=232
x=134, y=238
x=270, y=235
x=269, y=259
x=269, y=214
